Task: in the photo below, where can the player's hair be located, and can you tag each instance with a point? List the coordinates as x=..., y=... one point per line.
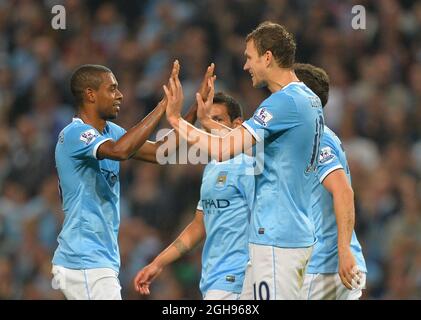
x=86, y=76
x=315, y=78
x=233, y=107
x=273, y=37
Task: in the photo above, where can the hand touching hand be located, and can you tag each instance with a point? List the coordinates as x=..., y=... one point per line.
x=174, y=72
x=204, y=106
x=204, y=86
x=174, y=96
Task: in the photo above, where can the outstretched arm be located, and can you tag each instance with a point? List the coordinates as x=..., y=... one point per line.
x=133, y=139
x=220, y=148
x=343, y=201
x=188, y=239
x=148, y=152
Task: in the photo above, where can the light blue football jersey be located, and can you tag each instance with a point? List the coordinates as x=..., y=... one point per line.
x=226, y=197
x=290, y=122
x=90, y=190
x=324, y=258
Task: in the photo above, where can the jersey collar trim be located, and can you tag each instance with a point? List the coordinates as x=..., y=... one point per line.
x=76, y=119
x=292, y=82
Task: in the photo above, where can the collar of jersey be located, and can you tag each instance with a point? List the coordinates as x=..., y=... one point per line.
x=292, y=82
x=77, y=119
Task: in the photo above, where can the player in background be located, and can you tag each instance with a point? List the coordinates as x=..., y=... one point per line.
x=289, y=123
x=87, y=260
x=337, y=268
x=222, y=218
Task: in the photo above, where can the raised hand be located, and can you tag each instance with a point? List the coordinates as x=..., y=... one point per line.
x=204, y=87
x=174, y=96
x=204, y=106
x=174, y=73
x=145, y=277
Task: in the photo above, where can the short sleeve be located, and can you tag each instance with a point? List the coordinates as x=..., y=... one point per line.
x=199, y=206
x=83, y=141
x=275, y=115
x=328, y=159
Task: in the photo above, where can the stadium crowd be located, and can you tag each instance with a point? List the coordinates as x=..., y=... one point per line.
x=374, y=107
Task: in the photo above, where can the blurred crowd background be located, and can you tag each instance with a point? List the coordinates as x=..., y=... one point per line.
x=374, y=107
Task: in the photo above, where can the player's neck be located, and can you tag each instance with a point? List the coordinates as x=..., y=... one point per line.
x=280, y=78
x=91, y=119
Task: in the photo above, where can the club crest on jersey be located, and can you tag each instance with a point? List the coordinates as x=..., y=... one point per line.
x=222, y=179
x=326, y=155
x=88, y=136
x=263, y=117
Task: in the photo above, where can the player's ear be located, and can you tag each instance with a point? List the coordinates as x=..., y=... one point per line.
x=90, y=95
x=237, y=122
x=268, y=58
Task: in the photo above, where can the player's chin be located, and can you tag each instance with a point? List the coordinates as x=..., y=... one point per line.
x=259, y=84
x=256, y=84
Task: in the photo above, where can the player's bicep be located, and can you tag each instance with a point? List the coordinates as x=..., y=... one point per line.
x=108, y=150
x=336, y=181
x=198, y=227
x=198, y=217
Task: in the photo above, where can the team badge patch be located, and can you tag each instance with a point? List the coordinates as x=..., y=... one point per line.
x=88, y=136
x=222, y=179
x=263, y=117
x=326, y=155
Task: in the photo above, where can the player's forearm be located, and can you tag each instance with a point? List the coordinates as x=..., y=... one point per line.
x=219, y=148
x=149, y=151
x=134, y=138
x=345, y=217
x=214, y=127
x=190, y=117
x=187, y=240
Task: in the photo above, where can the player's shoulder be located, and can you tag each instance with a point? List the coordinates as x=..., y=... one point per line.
x=277, y=104
x=293, y=94
x=301, y=94
x=77, y=129
x=242, y=159
x=329, y=138
x=77, y=125
x=279, y=97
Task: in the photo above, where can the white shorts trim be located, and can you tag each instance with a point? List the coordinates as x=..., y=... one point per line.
x=88, y=284
x=275, y=273
x=328, y=286
x=220, y=295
